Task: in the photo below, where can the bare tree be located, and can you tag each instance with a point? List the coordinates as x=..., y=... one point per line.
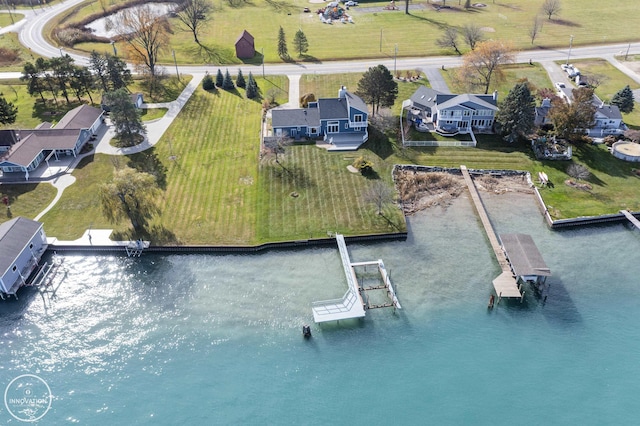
x=379, y=194
x=578, y=171
x=551, y=7
x=195, y=16
x=146, y=35
x=481, y=66
x=449, y=40
x=596, y=80
x=535, y=29
x=472, y=35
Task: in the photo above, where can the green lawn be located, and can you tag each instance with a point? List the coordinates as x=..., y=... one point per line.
x=378, y=31
x=10, y=41
x=7, y=19
x=613, y=81
x=152, y=113
x=25, y=200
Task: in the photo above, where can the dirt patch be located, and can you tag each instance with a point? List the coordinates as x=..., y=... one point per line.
x=420, y=190
x=488, y=29
x=574, y=184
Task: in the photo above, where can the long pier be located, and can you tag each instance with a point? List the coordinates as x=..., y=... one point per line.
x=505, y=284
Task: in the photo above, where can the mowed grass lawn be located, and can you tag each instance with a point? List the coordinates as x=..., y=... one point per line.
x=375, y=32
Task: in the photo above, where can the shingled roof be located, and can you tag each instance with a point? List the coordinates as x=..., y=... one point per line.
x=15, y=234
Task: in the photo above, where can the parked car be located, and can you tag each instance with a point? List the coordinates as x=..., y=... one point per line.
x=351, y=3
x=566, y=66
x=560, y=85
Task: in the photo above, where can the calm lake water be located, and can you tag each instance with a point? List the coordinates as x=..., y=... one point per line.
x=203, y=339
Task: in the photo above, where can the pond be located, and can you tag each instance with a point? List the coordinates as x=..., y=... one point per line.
x=106, y=26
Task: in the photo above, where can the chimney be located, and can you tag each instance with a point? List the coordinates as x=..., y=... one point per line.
x=546, y=102
x=495, y=95
x=342, y=92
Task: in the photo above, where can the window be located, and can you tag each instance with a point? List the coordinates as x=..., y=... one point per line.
x=333, y=127
x=465, y=113
x=357, y=118
x=31, y=245
x=14, y=268
x=346, y=125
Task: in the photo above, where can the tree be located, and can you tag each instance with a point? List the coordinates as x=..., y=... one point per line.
x=81, y=82
x=570, y=119
x=467, y=4
x=146, y=35
x=207, y=82
x=124, y=116
x=227, y=83
x=62, y=69
x=130, y=195
x=306, y=98
x=252, y=87
x=194, y=16
x=240, y=81
x=378, y=88
x=283, y=52
x=33, y=76
x=623, y=99
x=517, y=112
x=472, y=35
x=219, y=78
x=379, y=194
x=118, y=73
x=98, y=65
x=8, y=111
x=481, y=66
x=551, y=7
x=535, y=29
x=449, y=40
x=406, y=7
x=300, y=43
x=578, y=171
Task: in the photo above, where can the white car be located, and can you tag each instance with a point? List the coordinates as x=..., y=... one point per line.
x=566, y=66
x=560, y=85
x=351, y=3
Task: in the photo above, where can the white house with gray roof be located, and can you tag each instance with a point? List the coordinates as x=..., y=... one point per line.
x=67, y=137
x=450, y=114
x=341, y=122
x=22, y=244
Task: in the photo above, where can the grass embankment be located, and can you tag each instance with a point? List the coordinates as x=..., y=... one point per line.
x=152, y=113
x=16, y=56
x=376, y=32
x=7, y=19
x=25, y=200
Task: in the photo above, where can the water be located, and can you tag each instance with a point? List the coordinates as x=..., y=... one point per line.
x=108, y=26
x=200, y=339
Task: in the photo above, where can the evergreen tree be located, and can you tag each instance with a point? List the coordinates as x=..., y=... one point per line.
x=124, y=116
x=119, y=74
x=517, y=112
x=300, y=42
x=8, y=111
x=252, y=87
x=227, y=83
x=240, y=81
x=378, y=88
x=207, y=82
x=283, y=52
x=98, y=65
x=624, y=100
x=219, y=78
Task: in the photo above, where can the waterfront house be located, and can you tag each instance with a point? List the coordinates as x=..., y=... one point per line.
x=341, y=122
x=22, y=244
x=66, y=138
x=450, y=114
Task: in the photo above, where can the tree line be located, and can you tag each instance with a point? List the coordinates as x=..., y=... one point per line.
x=59, y=77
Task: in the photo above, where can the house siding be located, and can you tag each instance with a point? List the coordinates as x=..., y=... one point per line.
x=24, y=263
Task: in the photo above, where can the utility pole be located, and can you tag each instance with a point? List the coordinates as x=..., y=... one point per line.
x=627, y=54
x=115, y=51
x=570, y=45
x=173, y=52
x=262, y=53
x=380, y=40
x=395, y=57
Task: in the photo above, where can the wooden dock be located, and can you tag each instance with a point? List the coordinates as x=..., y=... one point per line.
x=505, y=284
x=631, y=218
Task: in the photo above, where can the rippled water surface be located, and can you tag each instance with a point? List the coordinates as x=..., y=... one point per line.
x=202, y=339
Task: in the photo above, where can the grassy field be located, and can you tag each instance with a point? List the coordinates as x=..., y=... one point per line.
x=25, y=200
x=10, y=41
x=152, y=113
x=7, y=19
x=378, y=31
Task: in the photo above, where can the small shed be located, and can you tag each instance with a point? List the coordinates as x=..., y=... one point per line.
x=525, y=258
x=245, y=48
x=22, y=243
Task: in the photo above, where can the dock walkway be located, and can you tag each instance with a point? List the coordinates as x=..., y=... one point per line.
x=505, y=284
x=631, y=218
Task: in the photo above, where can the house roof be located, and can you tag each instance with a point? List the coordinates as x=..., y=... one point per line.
x=333, y=108
x=356, y=102
x=524, y=255
x=81, y=117
x=445, y=101
x=24, y=152
x=245, y=36
x=8, y=137
x=309, y=117
x=15, y=234
x=425, y=97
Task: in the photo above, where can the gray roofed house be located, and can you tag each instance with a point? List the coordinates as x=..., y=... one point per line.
x=22, y=243
x=67, y=137
x=424, y=98
x=8, y=138
x=342, y=122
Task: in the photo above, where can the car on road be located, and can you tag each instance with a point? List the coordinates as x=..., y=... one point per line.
x=560, y=85
x=351, y=3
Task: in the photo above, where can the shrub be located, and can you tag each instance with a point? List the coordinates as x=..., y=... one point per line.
x=610, y=140
x=240, y=81
x=219, y=78
x=7, y=55
x=578, y=171
x=364, y=166
x=306, y=98
x=227, y=83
